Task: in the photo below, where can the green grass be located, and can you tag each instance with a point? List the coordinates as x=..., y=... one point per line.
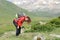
x=7, y=14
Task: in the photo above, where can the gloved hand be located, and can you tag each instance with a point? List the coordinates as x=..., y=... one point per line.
x=17, y=27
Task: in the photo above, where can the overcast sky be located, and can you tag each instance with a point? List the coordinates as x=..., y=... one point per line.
x=52, y=4
x=44, y=1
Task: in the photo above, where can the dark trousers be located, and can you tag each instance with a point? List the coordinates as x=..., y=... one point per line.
x=18, y=31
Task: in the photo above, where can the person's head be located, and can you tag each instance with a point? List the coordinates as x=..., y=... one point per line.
x=27, y=19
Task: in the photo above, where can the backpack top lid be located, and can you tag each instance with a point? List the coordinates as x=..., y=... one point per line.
x=20, y=14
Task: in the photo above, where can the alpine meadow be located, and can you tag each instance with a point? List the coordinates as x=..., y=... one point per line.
x=45, y=23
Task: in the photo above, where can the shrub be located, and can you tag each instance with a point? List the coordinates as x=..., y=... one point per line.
x=55, y=22
x=43, y=28
x=48, y=27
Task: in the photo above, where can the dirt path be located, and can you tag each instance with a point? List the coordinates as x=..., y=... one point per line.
x=10, y=33
x=25, y=35
x=7, y=34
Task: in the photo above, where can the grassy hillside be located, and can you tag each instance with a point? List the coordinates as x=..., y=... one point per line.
x=7, y=11
x=7, y=14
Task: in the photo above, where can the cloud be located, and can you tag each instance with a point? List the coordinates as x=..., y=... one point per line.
x=31, y=4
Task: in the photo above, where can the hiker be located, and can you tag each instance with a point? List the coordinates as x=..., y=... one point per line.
x=19, y=21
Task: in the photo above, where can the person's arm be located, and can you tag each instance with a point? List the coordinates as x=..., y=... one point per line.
x=19, y=22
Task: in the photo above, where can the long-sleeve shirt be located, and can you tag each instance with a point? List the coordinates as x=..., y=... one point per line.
x=19, y=21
